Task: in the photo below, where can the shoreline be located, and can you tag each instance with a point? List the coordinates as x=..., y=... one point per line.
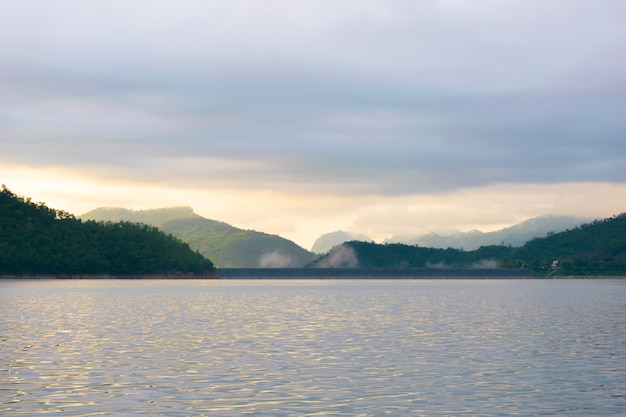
x=589, y=277
x=372, y=273
x=106, y=276
x=317, y=273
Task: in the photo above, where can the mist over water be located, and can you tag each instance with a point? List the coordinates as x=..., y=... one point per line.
x=307, y=347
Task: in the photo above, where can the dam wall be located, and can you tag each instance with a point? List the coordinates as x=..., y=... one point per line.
x=373, y=273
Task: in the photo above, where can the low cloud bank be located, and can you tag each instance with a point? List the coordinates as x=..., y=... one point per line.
x=439, y=265
x=485, y=264
x=341, y=256
x=275, y=259
x=482, y=264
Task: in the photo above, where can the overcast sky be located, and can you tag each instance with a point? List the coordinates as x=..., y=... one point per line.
x=303, y=117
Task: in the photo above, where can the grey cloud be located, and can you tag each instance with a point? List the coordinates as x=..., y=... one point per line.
x=373, y=96
x=37, y=81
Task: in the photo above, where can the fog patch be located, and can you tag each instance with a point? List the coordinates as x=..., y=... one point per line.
x=340, y=256
x=439, y=265
x=275, y=259
x=485, y=264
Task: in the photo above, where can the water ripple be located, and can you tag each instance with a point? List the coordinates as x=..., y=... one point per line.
x=308, y=348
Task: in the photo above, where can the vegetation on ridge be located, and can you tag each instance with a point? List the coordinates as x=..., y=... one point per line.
x=35, y=239
x=596, y=248
x=399, y=255
x=225, y=245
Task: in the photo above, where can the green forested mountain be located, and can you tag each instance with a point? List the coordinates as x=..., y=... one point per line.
x=227, y=246
x=597, y=248
x=35, y=239
x=399, y=255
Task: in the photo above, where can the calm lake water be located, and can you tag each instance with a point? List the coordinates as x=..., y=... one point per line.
x=313, y=348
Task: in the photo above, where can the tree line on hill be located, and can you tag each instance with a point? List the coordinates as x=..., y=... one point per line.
x=596, y=248
x=36, y=239
x=225, y=245
x=230, y=247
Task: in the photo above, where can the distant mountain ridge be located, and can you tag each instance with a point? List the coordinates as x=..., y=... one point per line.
x=327, y=241
x=226, y=245
x=516, y=235
x=154, y=217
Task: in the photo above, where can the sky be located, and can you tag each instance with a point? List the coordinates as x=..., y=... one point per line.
x=303, y=117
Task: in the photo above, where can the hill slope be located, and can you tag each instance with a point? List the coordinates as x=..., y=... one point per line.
x=597, y=248
x=35, y=239
x=227, y=246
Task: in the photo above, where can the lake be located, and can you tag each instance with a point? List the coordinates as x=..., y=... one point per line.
x=313, y=347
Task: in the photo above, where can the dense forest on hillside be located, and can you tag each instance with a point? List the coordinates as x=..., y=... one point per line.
x=35, y=239
x=230, y=247
x=399, y=255
x=593, y=248
x=597, y=248
x=227, y=246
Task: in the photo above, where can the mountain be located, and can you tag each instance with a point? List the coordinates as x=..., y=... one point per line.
x=151, y=217
x=596, y=248
x=227, y=246
x=36, y=240
x=327, y=241
x=515, y=235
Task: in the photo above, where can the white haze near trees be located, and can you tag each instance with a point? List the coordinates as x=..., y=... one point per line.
x=275, y=259
x=341, y=256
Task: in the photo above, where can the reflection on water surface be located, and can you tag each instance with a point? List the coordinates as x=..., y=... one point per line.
x=223, y=348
